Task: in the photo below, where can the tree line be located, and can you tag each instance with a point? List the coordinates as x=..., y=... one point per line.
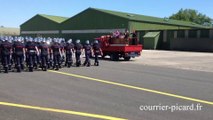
x=191, y=15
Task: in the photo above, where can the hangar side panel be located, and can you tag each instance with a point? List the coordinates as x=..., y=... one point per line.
x=153, y=26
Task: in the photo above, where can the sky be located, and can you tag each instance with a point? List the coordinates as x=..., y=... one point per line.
x=15, y=12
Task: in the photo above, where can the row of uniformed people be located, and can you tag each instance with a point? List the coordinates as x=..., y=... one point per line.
x=48, y=53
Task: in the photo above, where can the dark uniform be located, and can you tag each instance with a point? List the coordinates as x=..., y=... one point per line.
x=50, y=58
x=56, y=51
x=62, y=44
x=19, y=55
x=0, y=54
x=68, y=51
x=27, y=55
x=44, y=48
x=38, y=56
x=88, y=52
x=97, y=51
x=32, y=55
x=13, y=55
x=134, y=38
x=6, y=48
x=78, y=47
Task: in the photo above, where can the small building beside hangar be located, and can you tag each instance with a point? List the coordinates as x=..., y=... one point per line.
x=42, y=25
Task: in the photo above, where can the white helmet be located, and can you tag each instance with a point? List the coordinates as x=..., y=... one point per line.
x=6, y=38
x=59, y=40
x=43, y=40
x=78, y=41
x=50, y=40
x=15, y=39
x=19, y=39
x=87, y=42
x=54, y=39
x=69, y=41
x=30, y=39
x=10, y=40
x=95, y=41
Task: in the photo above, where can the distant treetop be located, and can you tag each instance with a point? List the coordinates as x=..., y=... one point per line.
x=191, y=15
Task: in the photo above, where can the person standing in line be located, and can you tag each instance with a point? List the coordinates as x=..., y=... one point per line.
x=88, y=52
x=6, y=49
x=69, y=49
x=78, y=50
x=56, y=53
x=97, y=51
x=19, y=52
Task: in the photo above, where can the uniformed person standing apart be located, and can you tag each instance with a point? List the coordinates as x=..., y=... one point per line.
x=96, y=51
x=56, y=53
x=88, y=52
x=6, y=49
x=69, y=48
x=44, y=53
x=32, y=51
x=19, y=52
x=78, y=49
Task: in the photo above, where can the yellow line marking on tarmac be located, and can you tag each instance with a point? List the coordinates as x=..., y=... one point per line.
x=61, y=111
x=135, y=87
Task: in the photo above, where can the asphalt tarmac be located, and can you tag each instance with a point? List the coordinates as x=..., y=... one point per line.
x=113, y=90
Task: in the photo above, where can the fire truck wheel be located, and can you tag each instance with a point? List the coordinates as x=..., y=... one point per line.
x=114, y=57
x=127, y=58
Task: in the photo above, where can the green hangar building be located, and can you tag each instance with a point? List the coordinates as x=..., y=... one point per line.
x=42, y=25
x=97, y=21
x=92, y=23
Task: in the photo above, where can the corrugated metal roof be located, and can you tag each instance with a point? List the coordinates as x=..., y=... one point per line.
x=143, y=18
x=57, y=19
x=151, y=34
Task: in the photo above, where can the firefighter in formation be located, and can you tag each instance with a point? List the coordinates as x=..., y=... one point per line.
x=27, y=53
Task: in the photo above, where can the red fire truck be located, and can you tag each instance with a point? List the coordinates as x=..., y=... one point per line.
x=120, y=47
